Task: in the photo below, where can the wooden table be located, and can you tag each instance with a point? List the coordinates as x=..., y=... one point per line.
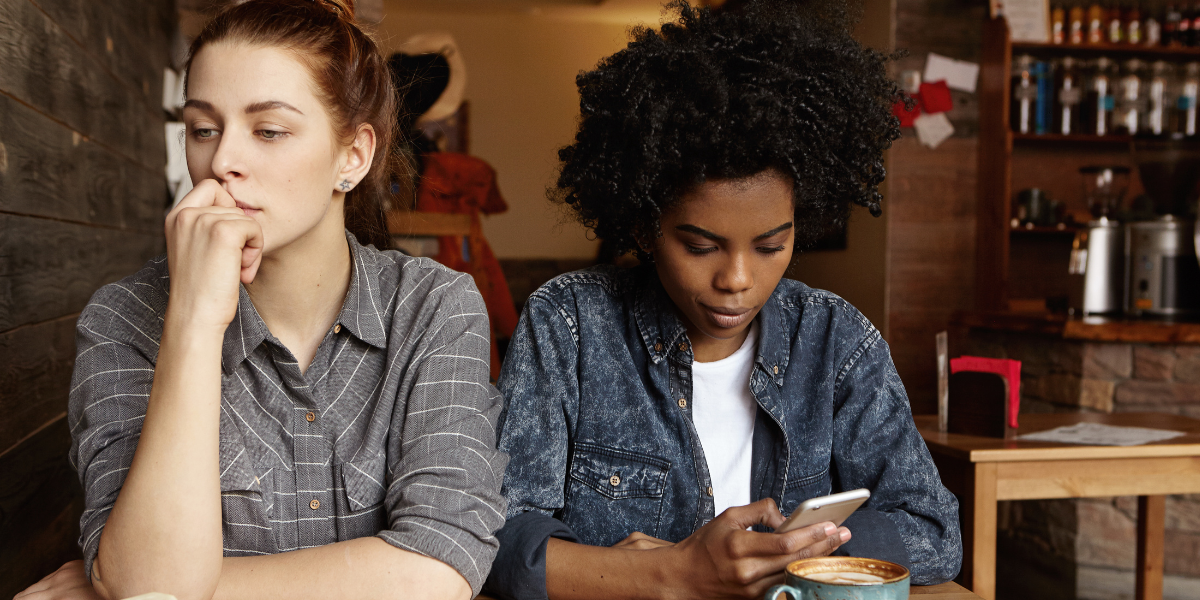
x=945, y=591
x=983, y=471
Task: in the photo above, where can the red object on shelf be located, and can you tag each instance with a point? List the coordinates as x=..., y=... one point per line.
x=935, y=97
x=1007, y=368
x=907, y=117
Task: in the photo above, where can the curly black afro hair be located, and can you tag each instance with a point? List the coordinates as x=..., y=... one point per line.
x=719, y=94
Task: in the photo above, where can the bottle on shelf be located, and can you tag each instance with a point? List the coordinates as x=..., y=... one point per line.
x=1069, y=94
x=1130, y=99
x=1097, y=21
x=1097, y=108
x=1058, y=17
x=1185, y=104
x=1152, y=30
x=1044, y=73
x=1158, y=86
x=1025, y=94
x=1183, y=33
x=1131, y=20
x=1075, y=32
x=1116, y=31
x=1172, y=19
x=1195, y=29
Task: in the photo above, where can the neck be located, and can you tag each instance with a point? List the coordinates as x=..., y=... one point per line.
x=300, y=288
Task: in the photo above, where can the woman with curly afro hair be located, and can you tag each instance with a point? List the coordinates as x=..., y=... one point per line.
x=663, y=420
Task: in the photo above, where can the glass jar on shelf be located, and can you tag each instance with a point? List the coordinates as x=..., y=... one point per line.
x=1129, y=107
x=1097, y=109
x=1185, y=103
x=1159, y=84
x=1068, y=95
x=1024, y=94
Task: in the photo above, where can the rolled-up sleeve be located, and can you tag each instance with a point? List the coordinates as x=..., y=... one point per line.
x=911, y=517
x=540, y=382
x=116, y=338
x=443, y=497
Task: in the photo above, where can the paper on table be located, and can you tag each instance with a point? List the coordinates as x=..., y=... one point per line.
x=1098, y=434
x=932, y=130
x=958, y=74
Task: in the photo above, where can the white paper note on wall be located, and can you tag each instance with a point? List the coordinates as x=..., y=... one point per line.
x=933, y=129
x=958, y=74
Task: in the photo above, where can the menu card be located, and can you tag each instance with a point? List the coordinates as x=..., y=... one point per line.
x=1098, y=434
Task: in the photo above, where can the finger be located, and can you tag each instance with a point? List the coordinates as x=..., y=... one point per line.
x=222, y=198
x=252, y=254
x=763, y=512
x=760, y=587
x=204, y=194
x=753, y=543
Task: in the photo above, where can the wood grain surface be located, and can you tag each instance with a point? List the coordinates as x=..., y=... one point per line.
x=40, y=65
x=1093, y=329
x=35, y=375
x=50, y=268
x=53, y=172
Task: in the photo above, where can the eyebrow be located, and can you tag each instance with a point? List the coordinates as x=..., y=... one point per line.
x=717, y=238
x=256, y=107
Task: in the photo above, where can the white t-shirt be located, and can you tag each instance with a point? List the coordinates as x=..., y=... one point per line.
x=723, y=411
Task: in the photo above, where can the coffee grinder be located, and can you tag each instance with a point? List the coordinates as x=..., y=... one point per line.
x=1097, y=252
x=1162, y=272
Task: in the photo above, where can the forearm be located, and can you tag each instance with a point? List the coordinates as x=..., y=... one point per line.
x=164, y=532
x=360, y=568
x=579, y=572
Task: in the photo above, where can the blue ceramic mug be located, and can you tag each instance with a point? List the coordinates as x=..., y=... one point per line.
x=842, y=578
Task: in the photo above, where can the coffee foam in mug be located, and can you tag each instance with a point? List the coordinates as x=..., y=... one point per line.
x=844, y=578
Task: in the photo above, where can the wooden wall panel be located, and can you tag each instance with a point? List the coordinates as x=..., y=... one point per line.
x=51, y=268
x=35, y=376
x=54, y=172
x=931, y=249
x=931, y=200
x=40, y=65
x=39, y=516
x=82, y=198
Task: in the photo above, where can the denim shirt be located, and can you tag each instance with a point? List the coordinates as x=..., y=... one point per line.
x=598, y=425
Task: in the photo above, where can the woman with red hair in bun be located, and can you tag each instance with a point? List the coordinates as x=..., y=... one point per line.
x=280, y=406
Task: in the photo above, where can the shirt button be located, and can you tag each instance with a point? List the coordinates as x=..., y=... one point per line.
x=683, y=403
x=776, y=369
x=315, y=504
x=658, y=347
x=615, y=480
x=337, y=328
x=310, y=416
x=682, y=347
x=709, y=491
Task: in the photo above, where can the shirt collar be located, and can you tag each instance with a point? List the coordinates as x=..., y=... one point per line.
x=361, y=314
x=662, y=331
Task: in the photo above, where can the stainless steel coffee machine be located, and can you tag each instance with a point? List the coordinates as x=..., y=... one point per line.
x=1098, y=252
x=1162, y=272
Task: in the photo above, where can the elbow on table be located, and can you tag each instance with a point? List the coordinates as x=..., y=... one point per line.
x=111, y=582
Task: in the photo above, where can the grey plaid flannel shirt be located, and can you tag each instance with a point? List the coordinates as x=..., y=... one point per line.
x=390, y=432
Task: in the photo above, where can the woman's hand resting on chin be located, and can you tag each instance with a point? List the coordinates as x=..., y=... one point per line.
x=212, y=246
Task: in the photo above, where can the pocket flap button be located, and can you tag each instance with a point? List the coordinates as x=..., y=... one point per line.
x=315, y=504
x=615, y=480
x=310, y=416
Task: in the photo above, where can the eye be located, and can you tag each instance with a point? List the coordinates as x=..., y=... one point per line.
x=701, y=249
x=771, y=249
x=204, y=133
x=271, y=134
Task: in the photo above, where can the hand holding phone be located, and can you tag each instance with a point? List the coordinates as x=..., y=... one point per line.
x=834, y=508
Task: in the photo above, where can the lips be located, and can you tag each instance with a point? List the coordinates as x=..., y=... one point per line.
x=727, y=318
x=246, y=208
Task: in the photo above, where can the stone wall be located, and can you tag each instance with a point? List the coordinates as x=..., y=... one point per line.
x=1086, y=547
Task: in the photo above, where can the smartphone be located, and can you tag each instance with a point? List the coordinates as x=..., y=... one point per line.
x=834, y=507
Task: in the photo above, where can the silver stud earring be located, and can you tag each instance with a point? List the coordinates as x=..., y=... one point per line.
x=345, y=185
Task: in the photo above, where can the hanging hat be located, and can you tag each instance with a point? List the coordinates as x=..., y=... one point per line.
x=440, y=43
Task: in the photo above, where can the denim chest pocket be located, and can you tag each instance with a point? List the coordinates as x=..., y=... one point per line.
x=612, y=493
x=804, y=487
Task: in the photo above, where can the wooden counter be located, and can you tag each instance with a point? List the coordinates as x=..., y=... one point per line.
x=1093, y=329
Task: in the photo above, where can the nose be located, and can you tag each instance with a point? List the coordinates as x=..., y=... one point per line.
x=735, y=275
x=229, y=162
